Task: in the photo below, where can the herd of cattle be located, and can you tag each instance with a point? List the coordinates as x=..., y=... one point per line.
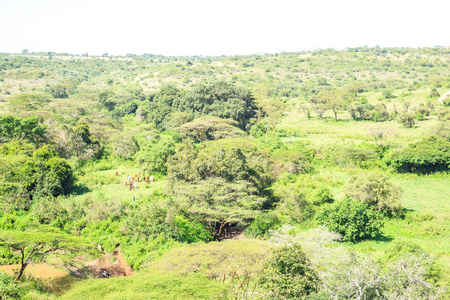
x=132, y=181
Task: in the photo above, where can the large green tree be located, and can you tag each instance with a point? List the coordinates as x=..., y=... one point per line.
x=22, y=128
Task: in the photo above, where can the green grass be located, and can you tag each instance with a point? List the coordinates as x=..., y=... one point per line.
x=149, y=285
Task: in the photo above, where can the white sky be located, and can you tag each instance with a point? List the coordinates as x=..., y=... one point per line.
x=217, y=27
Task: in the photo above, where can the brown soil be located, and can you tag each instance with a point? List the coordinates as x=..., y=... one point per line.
x=56, y=280
x=113, y=263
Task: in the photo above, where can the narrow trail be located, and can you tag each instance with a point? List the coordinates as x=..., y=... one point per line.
x=441, y=98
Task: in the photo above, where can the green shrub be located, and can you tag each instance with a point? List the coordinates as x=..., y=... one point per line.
x=58, y=91
x=288, y=274
x=353, y=219
x=407, y=119
x=424, y=157
x=446, y=101
x=48, y=210
x=262, y=224
x=9, y=289
x=375, y=189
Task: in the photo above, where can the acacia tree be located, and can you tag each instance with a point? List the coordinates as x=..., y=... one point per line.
x=260, y=93
x=273, y=109
x=333, y=99
x=218, y=204
x=38, y=243
x=218, y=189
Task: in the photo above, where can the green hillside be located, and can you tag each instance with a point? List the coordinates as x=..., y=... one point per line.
x=310, y=175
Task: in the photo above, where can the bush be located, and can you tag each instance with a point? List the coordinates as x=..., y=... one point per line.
x=58, y=91
x=446, y=101
x=407, y=119
x=353, y=219
x=8, y=289
x=262, y=224
x=288, y=274
x=375, y=189
x=427, y=156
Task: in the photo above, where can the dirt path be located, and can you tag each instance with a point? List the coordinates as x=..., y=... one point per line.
x=113, y=263
x=441, y=98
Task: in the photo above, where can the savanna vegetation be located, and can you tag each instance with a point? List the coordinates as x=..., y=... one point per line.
x=311, y=175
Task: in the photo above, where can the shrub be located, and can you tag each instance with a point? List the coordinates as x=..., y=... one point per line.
x=375, y=189
x=9, y=289
x=446, y=101
x=424, y=157
x=407, y=119
x=58, y=91
x=262, y=224
x=353, y=219
x=288, y=274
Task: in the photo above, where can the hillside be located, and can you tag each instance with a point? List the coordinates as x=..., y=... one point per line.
x=200, y=176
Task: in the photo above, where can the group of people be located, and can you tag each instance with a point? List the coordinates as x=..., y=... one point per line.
x=132, y=181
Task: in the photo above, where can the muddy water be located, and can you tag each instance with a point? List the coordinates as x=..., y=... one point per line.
x=59, y=281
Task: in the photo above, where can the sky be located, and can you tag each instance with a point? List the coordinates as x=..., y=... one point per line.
x=217, y=27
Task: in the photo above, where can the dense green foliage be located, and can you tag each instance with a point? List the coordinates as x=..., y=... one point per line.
x=17, y=128
x=376, y=190
x=288, y=274
x=29, y=175
x=221, y=99
x=427, y=156
x=353, y=219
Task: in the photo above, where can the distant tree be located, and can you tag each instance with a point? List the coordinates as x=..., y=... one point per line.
x=25, y=51
x=446, y=101
x=220, y=99
x=434, y=93
x=307, y=108
x=84, y=145
x=219, y=188
x=105, y=55
x=47, y=174
x=58, y=91
x=260, y=93
x=273, y=110
x=407, y=119
x=333, y=99
x=379, y=113
x=106, y=99
x=25, y=102
x=17, y=128
x=210, y=128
